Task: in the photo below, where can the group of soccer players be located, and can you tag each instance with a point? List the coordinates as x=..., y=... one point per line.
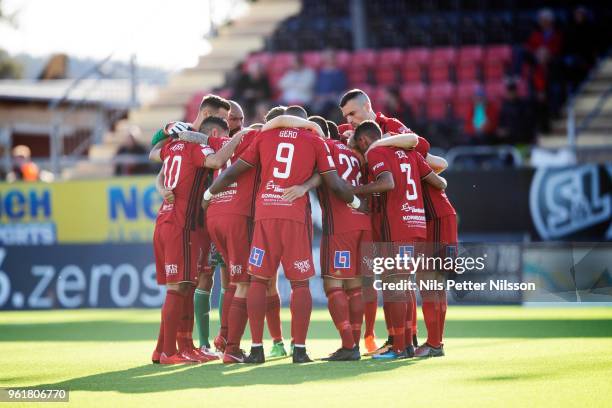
x=238, y=198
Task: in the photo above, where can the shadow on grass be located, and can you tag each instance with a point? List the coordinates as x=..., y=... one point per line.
x=156, y=378
x=117, y=330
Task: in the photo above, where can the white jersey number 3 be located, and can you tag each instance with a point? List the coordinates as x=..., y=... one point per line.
x=411, y=185
x=284, y=155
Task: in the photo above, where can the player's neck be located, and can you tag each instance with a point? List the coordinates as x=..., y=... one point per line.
x=371, y=115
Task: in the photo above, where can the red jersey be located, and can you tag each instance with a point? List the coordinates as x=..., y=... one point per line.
x=338, y=217
x=238, y=197
x=387, y=125
x=403, y=206
x=288, y=157
x=436, y=202
x=184, y=174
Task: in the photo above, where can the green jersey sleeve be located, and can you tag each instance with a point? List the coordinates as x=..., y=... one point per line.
x=158, y=137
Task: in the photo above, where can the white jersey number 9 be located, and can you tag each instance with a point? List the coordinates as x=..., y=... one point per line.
x=284, y=155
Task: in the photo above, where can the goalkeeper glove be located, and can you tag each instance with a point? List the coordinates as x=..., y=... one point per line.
x=173, y=129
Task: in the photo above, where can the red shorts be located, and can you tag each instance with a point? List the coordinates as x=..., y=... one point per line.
x=442, y=235
x=178, y=254
x=279, y=241
x=230, y=235
x=341, y=254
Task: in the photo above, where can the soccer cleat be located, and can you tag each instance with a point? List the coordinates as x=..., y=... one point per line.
x=206, y=353
x=256, y=356
x=155, y=357
x=415, y=341
x=300, y=356
x=177, y=358
x=410, y=351
x=343, y=354
x=233, y=358
x=391, y=355
x=382, y=349
x=370, y=344
x=428, y=351
x=220, y=342
x=277, y=350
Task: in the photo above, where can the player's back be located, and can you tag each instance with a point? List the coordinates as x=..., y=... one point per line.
x=337, y=216
x=288, y=157
x=184, y=174
x=403, y=205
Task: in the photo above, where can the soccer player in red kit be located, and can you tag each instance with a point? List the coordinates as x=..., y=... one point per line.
x=441, y=237
x=177, y=240
x=397, y=175
x=344, y=230
x=356, y=108
x=288, y=156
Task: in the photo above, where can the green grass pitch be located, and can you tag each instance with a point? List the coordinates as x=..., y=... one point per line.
x=496, y=356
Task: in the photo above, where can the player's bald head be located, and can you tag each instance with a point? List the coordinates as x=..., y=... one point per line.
x=235, y=119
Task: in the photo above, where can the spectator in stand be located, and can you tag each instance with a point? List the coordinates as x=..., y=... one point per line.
x=330, y=84
x=130, y=164
x=297, y=84
x=580, y=47
x=544, y=46
x=516, y=122
x=482, y=120
x=24, y=169
x=252, y=88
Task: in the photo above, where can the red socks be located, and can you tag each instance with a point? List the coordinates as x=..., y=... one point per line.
x=160, y=337
x=410, y=316
x=228, y=296
x=356, y=309
x=171, y=314
x=256, y=308
x=238, y=316
x=301, y=307
x=442, y=316
x=273, y=306
x=388, y=318
x=434, y=313
x=338, y=306
x=369, y=312
x=397, y=312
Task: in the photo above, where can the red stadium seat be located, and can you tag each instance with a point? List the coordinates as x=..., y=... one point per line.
x=281, y=61
x=418, y=56
x=446, y=55
x=466, y=90
x=357, y=74
x=437, y=108
x=391, y=57
x=472, y=53
x=413, y=95
x=385, y=75
x=442, y=90
x=262, y=58
x=467, y=71
x=363, y=58
x=365, y=87
x=343, y=59
x=494, y=70
x=312, y=59
x=411, y=72
x=438, y=72
x=495, y=90
x=501, y=53
x=462, y=108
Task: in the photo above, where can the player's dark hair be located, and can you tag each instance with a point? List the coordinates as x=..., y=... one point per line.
x=297, y=110
x=333, y=130
x=275, y=112
x=215, y=102
x=212, y=122
x=352, y=94
x=368, y=128
x=322, y=123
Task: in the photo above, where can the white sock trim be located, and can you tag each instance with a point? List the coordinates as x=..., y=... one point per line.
x=299, y=345
x=257, y=345
x=202, y=292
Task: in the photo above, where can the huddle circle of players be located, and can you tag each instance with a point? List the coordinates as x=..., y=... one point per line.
x=238, y=198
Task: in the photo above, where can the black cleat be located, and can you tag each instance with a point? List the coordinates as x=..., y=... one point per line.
x=343, y=354
x=300, y=356
x=410, y=351
x=256, y=356
x=415, y=341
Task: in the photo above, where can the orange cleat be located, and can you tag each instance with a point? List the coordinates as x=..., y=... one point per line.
x=370, y=344
x=177, y=358
x=155, y=357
